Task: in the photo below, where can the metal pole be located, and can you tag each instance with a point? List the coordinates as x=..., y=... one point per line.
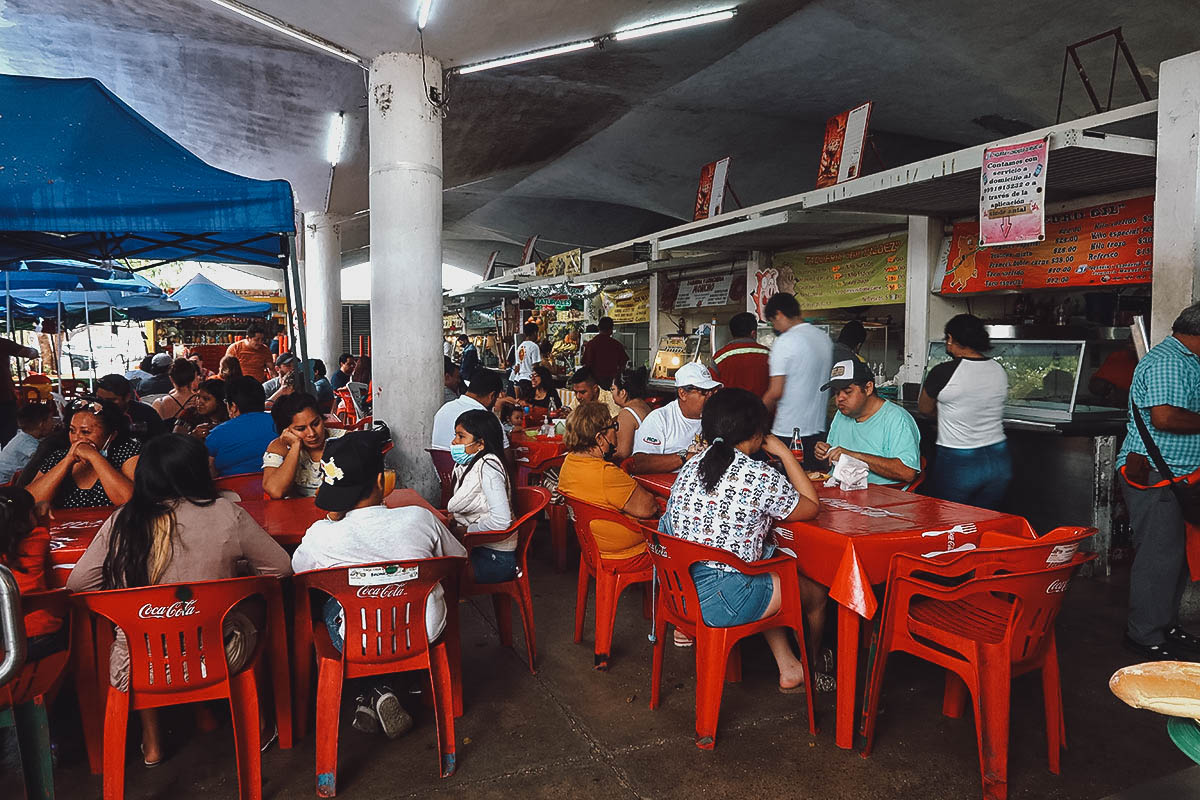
x=12, y=627
x=58, y=340
x=302, y=338
x=87, y=321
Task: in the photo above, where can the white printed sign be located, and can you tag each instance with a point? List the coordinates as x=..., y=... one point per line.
x=379, y=576
x=704, y=292
x=1061, y=554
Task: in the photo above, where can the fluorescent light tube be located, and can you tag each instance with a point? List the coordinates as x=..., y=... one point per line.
x=280, y=26
x=532, y=55
x=423, y=14
x=674, y=24
x=337, y=138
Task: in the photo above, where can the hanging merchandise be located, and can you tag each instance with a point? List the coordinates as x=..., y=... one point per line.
x=568, y=263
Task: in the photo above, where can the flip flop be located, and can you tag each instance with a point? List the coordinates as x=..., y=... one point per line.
x=682, y=640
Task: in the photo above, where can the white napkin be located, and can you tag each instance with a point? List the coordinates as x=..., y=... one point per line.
x=848, y=474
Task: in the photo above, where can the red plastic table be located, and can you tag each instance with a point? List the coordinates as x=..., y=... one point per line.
x=849, y=546
x=533, y=451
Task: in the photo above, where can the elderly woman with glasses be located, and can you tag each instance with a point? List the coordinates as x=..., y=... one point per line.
x=96, y=469
x=586, y=474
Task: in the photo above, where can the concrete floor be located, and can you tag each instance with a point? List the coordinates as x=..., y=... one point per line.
x=569, y=731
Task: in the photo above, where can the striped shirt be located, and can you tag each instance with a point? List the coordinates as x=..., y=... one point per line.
x=1169, y=375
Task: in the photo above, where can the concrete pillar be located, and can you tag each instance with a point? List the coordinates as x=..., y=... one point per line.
x=925, y=313
x=406, y=258
x=322, y=286
x=1176, y=193
x=652, y=303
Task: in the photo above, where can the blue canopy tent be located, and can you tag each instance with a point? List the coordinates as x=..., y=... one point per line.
x=200, y=297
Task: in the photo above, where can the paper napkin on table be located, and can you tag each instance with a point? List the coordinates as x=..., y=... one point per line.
x=849, y=473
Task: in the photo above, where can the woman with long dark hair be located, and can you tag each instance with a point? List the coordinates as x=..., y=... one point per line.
x=176, y=528
x=967, y=393
x=630, y=390
x=24, y=549
x=482, y=499
x=292, y=463
x=97, y=466
x=725, y=499
x=207, y=412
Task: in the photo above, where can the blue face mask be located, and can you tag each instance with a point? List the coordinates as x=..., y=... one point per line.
x=460, y=455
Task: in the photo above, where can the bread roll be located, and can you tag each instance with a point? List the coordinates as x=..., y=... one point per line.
x=1168, y=687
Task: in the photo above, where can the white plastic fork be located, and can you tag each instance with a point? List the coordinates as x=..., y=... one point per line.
x=966, y=527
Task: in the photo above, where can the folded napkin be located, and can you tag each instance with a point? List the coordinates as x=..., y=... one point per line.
x=848, y=474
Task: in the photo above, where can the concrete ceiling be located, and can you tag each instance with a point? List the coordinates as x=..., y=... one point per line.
x=593, y=147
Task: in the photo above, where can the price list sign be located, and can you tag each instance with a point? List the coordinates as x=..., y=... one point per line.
x=869, y=274
x=1104, y=245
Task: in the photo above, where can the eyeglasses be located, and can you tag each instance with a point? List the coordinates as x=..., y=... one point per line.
x=612, y=426
x=86, y=404
x=705, y=392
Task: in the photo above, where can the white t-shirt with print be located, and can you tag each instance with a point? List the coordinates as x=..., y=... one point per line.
x=378, y=533
x=803, y=354
x=666, y=430
x=529, y=355
x=738, y=514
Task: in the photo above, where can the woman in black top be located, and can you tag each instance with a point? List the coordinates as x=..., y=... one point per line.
x=541, y=394
x=96, y=470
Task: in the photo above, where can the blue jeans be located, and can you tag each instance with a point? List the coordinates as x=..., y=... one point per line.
x=730, y=598
x=493, y=566
x=976, y=477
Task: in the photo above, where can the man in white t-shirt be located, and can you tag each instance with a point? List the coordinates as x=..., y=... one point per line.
x=670, y=435
x=529, y=355
x=365, y=532
x=799, y=364
x=482, y=393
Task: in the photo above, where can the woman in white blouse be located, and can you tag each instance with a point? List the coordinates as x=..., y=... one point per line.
x=482, y=499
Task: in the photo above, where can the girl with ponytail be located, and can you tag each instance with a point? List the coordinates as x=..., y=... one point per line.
x=725, y=499
x=177, y=528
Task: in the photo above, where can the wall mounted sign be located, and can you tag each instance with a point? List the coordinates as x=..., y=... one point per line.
x=627, y=306
x=710, y=196
x=712, y=290
x=869, y=274
x=1012, y=194
x=842, y=150
x=1101, y=245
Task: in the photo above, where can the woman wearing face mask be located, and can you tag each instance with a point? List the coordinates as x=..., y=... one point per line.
x=292, y=463
x=591, y=439
x=482, y=499
x=96, y=469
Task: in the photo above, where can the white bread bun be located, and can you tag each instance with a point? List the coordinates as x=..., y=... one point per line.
x=1168, y=687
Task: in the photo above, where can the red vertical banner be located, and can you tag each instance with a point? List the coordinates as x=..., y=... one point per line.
x=710, y=195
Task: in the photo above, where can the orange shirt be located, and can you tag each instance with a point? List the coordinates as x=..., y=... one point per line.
x=596, y=481
x=253, y=357
x=742, y=364
x=29, y=570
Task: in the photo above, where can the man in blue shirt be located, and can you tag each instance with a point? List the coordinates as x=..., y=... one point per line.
x=1166, y=392
x=344, y=371
x=469, y=360
x=869, y=428
x=236, y=447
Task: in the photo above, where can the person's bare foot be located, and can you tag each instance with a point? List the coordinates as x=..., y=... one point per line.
x=152, y=754
x=792, y=679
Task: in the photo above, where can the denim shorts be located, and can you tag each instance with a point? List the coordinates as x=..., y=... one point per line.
x=730, y=598
x=492, y=566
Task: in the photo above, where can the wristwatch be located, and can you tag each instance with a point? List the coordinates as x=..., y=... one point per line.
x=682, y=459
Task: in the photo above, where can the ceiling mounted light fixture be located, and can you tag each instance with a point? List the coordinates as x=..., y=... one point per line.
x=337, y=138
x=279, y=26
x=532, y=55
x=423, y=14
x=639, y=31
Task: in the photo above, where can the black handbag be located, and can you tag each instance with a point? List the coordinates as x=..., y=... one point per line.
x=1188, y=494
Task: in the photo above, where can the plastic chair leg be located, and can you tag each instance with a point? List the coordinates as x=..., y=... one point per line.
x=954, y=700
x=1052, y=698
x=992, y=720
x=91, y=711
x=711, y=652
x=116, y=723
x=281, y=679
x=302, y=666
x=733, y=665
x=443, y=692
x=243, y=708
x=581, y=593
x=606, y=613
x=647, y=601
x=875, y=688
x=33, y=734
x=525, y=599
x=453, y=643
x=329, y=704
x=660, y=636
x=558, y=535
x=502, y=605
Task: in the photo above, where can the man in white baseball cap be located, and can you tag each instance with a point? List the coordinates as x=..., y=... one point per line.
x=670, y=435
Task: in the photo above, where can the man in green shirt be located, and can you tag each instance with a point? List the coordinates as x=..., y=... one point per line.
x=869, y=428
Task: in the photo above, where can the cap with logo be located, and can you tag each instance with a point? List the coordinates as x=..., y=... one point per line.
x=695, y=374
x=286, y=359
x=847, y=372
x=350, y=468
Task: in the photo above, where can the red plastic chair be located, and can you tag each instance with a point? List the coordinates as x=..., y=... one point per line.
x=610, y=581
x=996, y=624
x=393, y=639
x=24, y=697
x=556, y=514
x=528, y=503
x=344, y=407
x=247, y=485
x=177, y=656
x=443, y=464
x=336, y=424
x=678, y=604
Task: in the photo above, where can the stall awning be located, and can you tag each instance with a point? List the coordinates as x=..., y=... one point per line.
x=200, y=297
x=85, y=176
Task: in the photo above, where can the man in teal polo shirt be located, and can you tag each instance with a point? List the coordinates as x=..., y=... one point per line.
x=869, y=428
x=1166, y=392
